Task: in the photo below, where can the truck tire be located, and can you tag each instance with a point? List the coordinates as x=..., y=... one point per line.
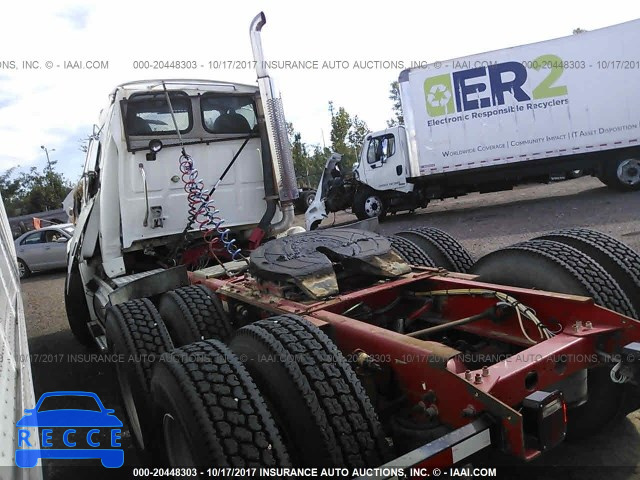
x=368, y=203
x=553, y=266
x=622, y=173
x=304, y=201
x=307, y=199
x=211, y=411
x=410, y=252
x=192, y=314
x=136, y=331
x=620, y=261
x=324, y=414
x=75, y=303
x=445, y=251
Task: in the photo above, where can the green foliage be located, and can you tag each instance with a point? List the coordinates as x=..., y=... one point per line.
x=308, y=166
x=394, y=96
x=347, y=135
x=33, y=191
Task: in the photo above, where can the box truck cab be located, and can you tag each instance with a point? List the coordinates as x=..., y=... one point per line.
x=488, y=122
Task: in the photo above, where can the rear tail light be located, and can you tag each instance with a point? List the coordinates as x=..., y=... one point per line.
x=544, y=419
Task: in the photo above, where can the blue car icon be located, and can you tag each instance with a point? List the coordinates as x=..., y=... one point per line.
x=98, y=421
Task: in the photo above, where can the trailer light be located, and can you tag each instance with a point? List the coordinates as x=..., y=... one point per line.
x=544, y=416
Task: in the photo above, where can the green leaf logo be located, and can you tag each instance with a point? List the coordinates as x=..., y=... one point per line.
x=439, y=95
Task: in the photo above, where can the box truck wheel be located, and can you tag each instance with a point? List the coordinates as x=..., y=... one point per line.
x=324, y=413
x=75, y=303
x=192, y=314
x=211, y=411
x=136, y=331
x=620, y=261
x=368, y=203
x=553, y=266
x=622, y=174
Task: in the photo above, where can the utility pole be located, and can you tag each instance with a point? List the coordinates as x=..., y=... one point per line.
x=49, y=169
x=46, y=152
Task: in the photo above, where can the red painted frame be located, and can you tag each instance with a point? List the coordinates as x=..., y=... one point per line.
x=420, y=365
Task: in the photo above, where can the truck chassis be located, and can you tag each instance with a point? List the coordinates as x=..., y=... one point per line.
x=438, y=364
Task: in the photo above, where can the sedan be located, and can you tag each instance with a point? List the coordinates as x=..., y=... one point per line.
x=43, y=249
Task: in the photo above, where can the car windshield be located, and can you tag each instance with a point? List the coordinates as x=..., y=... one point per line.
x=65, y=402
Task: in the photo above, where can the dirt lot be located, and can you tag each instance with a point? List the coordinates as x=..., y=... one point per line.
x=482, y=223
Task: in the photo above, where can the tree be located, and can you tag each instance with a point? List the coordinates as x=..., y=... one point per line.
x=33, y=191
x=394, y=96
x=9, y=189
x=340, y=125
x=357, y=133
x=578, y=30
x=308, y=167
x=347, y=135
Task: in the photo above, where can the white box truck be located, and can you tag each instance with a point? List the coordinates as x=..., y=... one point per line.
x=488, y=122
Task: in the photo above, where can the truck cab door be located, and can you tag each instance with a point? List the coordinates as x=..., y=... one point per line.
x=383, y=164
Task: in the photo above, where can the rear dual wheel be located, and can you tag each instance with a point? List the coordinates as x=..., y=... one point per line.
x=211, y=412
x=553, y=266
x=192, y=314
x=281, y=393
x=325, y=415
x=443, y=250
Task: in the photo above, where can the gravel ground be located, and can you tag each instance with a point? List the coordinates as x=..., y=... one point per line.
x=482, y=223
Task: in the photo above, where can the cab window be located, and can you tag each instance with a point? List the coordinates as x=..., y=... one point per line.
x=228, y=113
x=381, y=148
x=149, y=113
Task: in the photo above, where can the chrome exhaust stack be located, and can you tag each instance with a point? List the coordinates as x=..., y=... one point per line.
x=279, y=145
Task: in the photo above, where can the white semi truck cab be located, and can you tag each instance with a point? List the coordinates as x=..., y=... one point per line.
x=178, y=173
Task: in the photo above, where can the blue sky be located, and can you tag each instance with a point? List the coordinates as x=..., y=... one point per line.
x=58, y=107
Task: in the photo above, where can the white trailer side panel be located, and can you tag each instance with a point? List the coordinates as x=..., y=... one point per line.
x=498, y=108
x=16, y=387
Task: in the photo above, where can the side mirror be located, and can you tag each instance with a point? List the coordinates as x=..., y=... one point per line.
x=62, y=240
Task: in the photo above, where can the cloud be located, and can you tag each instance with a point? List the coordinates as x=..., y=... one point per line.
x=77, y=16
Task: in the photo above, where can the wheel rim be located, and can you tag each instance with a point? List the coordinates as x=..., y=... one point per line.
x=629, y=171
x=175, y=441
x=129, y=404
x=310, y=198
x=373, y=206
x=22, y=269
